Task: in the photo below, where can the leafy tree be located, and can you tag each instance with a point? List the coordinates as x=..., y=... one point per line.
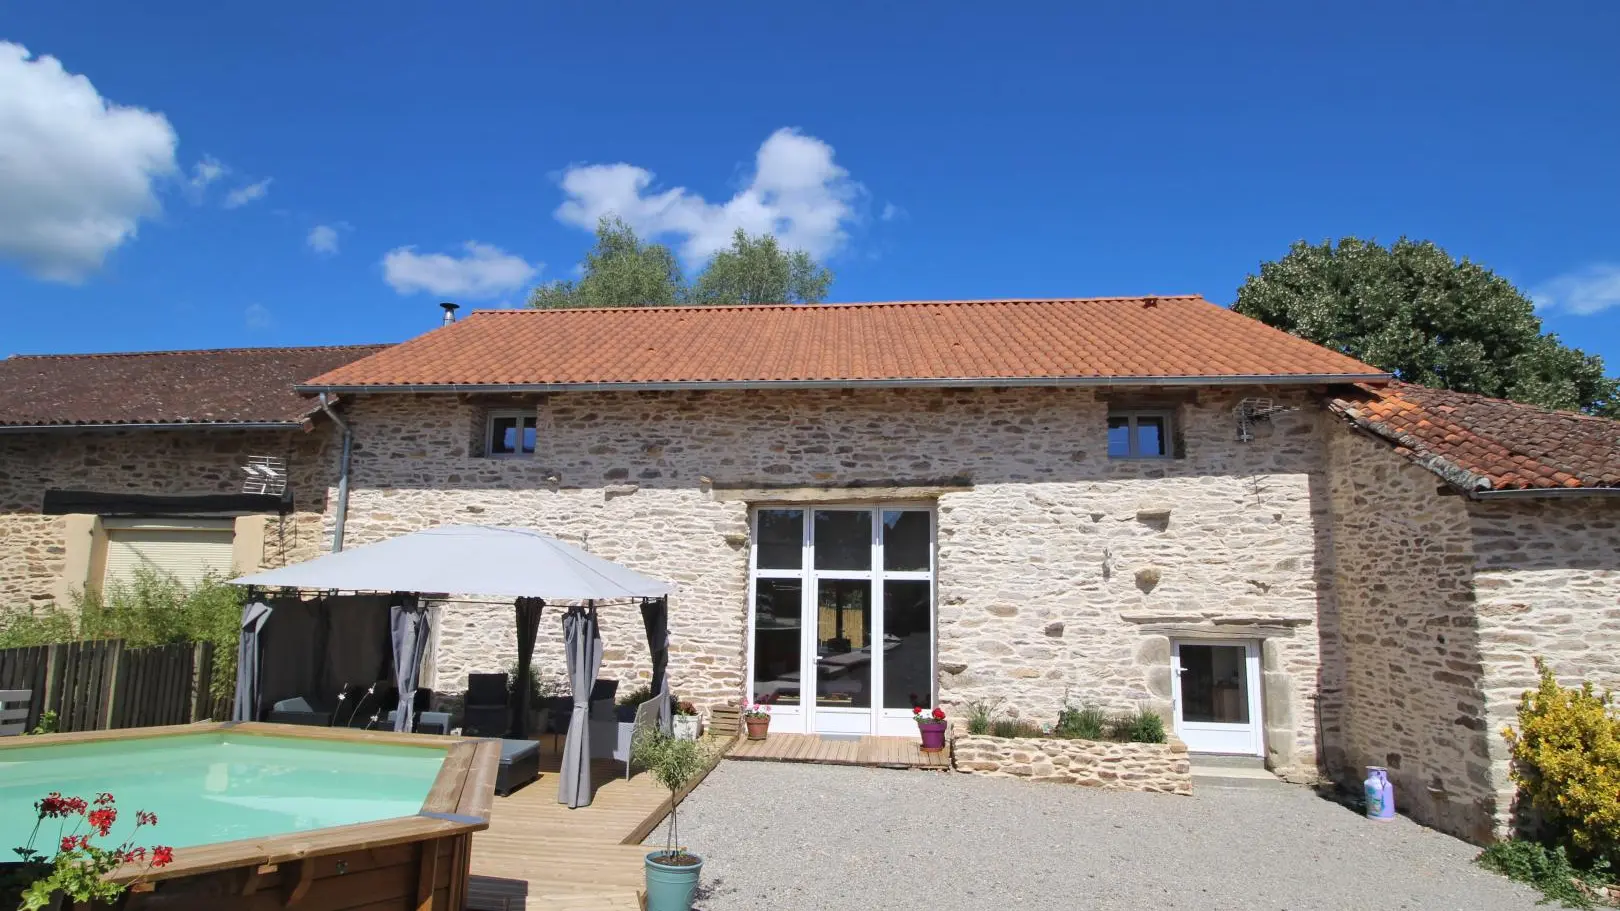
x=1412, y=310
x=620, y=271
x=756, y=270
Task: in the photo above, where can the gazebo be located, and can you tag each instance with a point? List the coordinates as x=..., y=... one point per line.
x=519, y=563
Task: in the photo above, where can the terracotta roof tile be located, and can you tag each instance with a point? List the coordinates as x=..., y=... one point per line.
x=1017, y=340
x=1480, y=443
x=223, y=386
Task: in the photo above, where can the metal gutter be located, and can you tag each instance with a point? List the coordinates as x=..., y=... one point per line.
x=191, y=425
x=951, y=382
x=340, y=514
x=1526, y=493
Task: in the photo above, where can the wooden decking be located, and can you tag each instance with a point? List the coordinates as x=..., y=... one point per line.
x=539, y=854
x=884, y=752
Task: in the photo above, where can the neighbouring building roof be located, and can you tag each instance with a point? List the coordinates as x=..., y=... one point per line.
x=993, y=342
x=229, y=386
x=1482, y=444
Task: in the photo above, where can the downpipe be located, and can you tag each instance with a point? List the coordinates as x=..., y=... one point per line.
x=341, y=514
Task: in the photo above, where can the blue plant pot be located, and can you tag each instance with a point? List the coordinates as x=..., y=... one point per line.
x=671, y=888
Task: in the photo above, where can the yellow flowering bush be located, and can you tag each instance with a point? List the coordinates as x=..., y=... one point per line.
x=1566, y=760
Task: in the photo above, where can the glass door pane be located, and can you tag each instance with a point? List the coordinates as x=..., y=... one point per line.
x=1214, y=684
x=908, y=637
x=907, y=540
x=843, y=539
x=778, y=610
x=843, y=643
x=780, y=539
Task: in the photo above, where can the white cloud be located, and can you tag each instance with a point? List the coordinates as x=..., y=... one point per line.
x=77, y=170
x=257, y=316
x=323, y=239
x=203, y=173
x=485, y=271
x=241, y=196
x=797, y=192
x=1583, y=292
x=891, y=212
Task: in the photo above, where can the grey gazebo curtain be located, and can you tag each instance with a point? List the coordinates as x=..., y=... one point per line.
x=528, y=626
x=247, y=661
x=583, y=644
x=655, y=617
x=411, y=628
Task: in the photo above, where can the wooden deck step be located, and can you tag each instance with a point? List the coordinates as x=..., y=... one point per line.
x=881, y=752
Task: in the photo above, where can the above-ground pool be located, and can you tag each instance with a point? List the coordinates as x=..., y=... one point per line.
x=377, y=815
x=222, y=786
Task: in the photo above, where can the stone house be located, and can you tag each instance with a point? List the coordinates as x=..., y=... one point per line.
x=110, y=462
x=1119, y=502
x=869, y=507
x=1470, y=536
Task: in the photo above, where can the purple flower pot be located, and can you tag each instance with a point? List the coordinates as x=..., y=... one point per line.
x=933, y=736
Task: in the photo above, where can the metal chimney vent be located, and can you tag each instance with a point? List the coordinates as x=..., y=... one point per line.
x=450, y=312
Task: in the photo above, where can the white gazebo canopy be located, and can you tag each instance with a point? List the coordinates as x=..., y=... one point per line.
x=469, y=559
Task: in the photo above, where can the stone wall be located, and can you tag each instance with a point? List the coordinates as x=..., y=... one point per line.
x=1160, y=767
x=1445, y=603
x=1413, y=700
x=1061, y=571
x=33, y=550
x=1547, y=585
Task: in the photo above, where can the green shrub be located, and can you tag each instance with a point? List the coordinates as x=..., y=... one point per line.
x=636, y=696
x=1084, y=723
x=1014, y=727
x=151, y=609
x=1566, y=761
x=1547, y=869
x=1140, y=726
x=981, y=714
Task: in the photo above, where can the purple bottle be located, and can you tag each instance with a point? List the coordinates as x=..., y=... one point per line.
x=1379, y=793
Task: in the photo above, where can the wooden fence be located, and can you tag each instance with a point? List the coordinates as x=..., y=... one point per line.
x=93, y=686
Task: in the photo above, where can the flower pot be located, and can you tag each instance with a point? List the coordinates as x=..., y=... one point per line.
x=757, y=727
x=670, y=887
x=933, y=736
x=687, y=727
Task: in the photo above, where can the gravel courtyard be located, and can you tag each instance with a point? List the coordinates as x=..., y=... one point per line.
x=790, y=837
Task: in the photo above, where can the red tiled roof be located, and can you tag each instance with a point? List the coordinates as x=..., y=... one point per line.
x=1478, y=443
x=1102, y=339
x=224, y=386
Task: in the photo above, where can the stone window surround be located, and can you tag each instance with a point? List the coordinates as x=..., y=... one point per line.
x=1167, y=441
x=522, y=416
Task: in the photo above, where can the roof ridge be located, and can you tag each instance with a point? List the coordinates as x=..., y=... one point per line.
x=181, y=351
x=850, y=304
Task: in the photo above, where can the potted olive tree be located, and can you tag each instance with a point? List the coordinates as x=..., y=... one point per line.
x=673, y=872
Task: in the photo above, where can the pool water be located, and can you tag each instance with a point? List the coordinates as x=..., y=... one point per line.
x=216, y=786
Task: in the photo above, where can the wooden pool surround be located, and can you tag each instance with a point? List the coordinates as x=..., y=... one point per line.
x=416, y=862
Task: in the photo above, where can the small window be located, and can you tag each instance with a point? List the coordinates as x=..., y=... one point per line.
x=509, y=435
x=1139, y=435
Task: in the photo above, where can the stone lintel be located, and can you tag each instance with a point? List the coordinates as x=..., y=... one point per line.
x=899, y=492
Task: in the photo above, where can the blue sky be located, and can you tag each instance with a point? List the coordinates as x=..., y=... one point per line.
x=324, y=173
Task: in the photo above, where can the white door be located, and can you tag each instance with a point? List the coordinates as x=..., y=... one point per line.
x=842, y=628
x=1217, y=696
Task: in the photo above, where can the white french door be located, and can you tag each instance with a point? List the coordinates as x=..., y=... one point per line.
x=841, y=625
x=1216, y=686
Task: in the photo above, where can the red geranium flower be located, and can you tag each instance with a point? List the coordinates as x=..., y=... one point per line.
x=162, y=855
x=939, y=714
x=104, y=799
x=144, y=818
x=102, y=820
x=75, y=842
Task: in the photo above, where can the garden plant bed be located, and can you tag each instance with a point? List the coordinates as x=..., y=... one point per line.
x=1162, y=767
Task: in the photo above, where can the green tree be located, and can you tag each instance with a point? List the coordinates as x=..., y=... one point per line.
x=620, y=271
x=756, y=270
x=1413, y=310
